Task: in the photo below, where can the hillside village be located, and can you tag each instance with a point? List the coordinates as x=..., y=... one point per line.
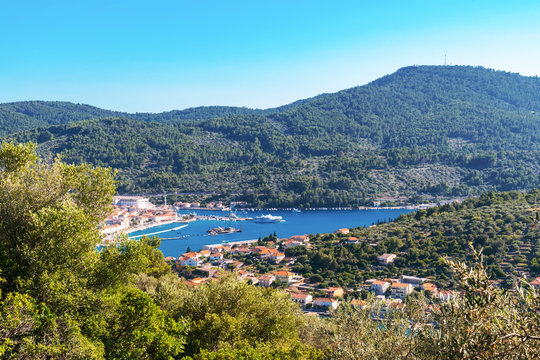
x=265, y=263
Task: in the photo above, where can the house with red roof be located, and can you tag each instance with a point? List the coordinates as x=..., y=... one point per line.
x=189, y=261
x=400, y=290
x=284, y=276
x=276, y=258
x=301, y=298
x=325, y=303
x=216, y=256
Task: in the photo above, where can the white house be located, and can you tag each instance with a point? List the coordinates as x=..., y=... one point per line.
x=352, y=240
x=266, y=280
x=189, y=261
x=386, y=259
x=379, y=287
x=325, y=303
x=301, y=298
x=444, y=295
x=400, y=290
x=276, y=258
x=216, y=256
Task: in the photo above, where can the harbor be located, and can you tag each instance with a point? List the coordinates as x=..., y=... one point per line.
x=137, y=217
x=196, y=235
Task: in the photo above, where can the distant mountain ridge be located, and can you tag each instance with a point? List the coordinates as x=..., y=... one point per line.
x=25, y=115
x=421, y=131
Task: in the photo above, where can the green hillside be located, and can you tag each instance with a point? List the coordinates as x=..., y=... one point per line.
x=422, y=131
x=498, y=223
x=24, y=115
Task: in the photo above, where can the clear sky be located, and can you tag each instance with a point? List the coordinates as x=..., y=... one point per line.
x=162, y=55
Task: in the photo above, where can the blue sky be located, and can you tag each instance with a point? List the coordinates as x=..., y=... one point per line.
x=162, y=55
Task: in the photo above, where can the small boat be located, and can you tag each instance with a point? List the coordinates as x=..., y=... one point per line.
x=296, y=210
x=268, y=219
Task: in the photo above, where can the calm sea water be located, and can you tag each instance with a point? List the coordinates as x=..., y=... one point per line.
x=305, y=222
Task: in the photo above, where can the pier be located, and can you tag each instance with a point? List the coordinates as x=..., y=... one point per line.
x=158, y=232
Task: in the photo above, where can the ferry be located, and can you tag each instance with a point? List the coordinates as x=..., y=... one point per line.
x=268, y=219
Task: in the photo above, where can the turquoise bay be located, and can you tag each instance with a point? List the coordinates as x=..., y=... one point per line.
x=194, y=236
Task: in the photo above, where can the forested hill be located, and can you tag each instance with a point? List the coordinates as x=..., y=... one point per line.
x=422, y=131
x=429, y=105
x=25, y=115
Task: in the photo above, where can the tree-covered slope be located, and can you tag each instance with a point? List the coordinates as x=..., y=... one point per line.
x=427, y=130
x=498, y=223
x=24, y=115
x=429, y=105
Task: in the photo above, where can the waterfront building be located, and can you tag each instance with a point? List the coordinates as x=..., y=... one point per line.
x=138, y=202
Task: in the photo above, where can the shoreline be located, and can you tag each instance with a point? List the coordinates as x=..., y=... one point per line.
x=405, y=207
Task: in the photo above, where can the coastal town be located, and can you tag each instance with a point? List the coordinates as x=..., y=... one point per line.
x=135, y=213
x=267, y=262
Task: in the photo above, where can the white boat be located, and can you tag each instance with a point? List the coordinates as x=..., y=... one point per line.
x=268, y=219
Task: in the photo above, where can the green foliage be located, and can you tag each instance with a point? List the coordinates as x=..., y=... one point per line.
x=30, y=331
x=48, y=219
x=14, y=157
x=497, y=222
x=261, y=351
x=118, y=263
x=139, y=329
x=25, y=115
x=486, y=322
x=62, y=298
x=230, y=313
